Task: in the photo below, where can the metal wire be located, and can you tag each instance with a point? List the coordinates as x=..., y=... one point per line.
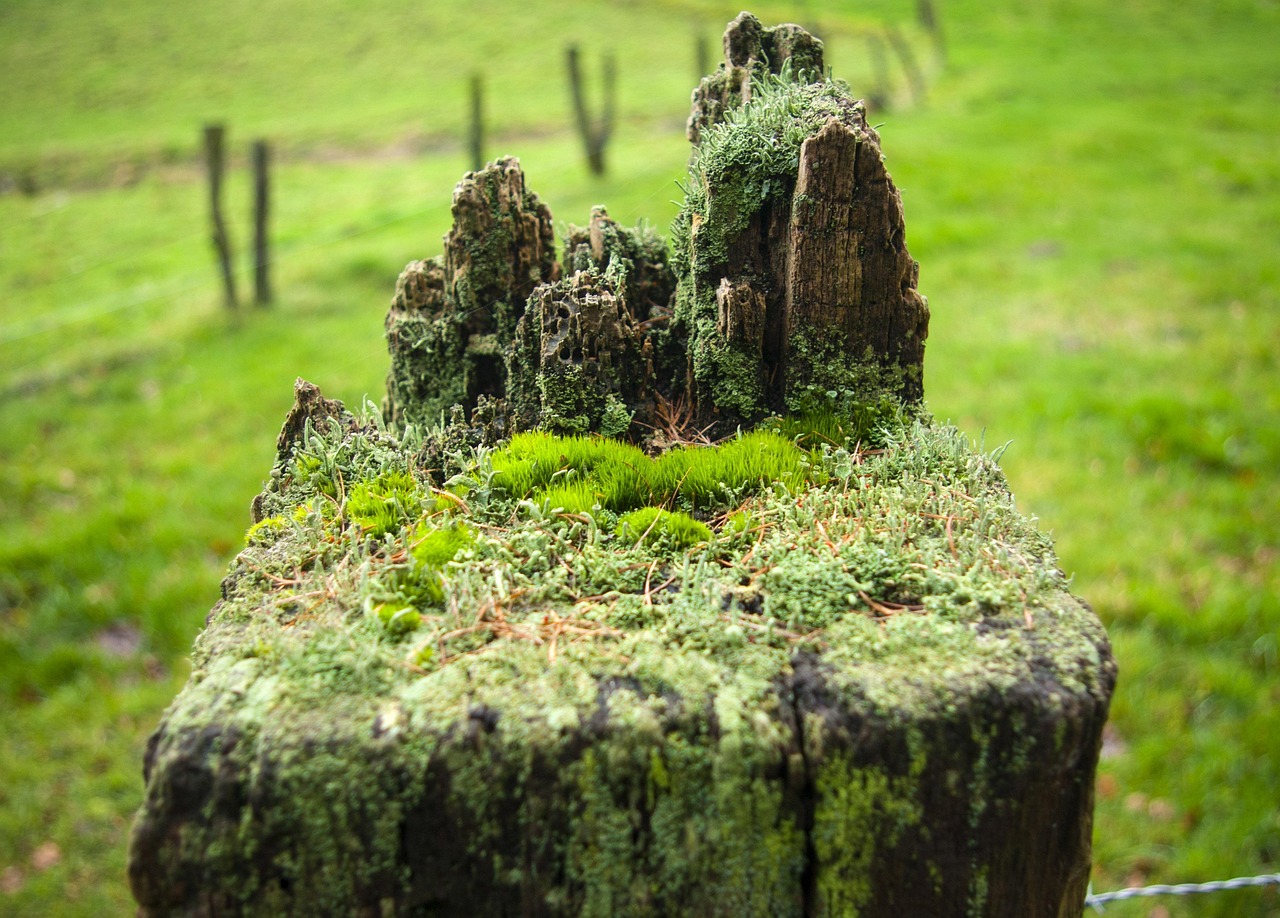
x=1096, y=900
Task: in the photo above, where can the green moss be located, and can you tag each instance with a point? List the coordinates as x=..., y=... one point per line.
x=662, y=528
x=576, y=496
x=384, y=504
x=397, y=618
x=265, y=532
x=431, y=548
x=437, y=547
x=621, y=477
x=530, y=462
x=720, y=475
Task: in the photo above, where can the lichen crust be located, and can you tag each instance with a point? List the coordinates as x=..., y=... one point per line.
x=576, y=719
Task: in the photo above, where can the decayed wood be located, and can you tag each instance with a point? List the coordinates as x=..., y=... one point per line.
x=751, y=49
x=741, y=313
x=453, y=316
x=501, y=246
x=820, y=267
x=849, y=269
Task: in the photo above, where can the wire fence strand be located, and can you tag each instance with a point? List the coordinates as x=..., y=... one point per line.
x=1097, y=900
x=114, y=303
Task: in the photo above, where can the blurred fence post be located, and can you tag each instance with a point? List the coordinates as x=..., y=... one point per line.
x=702, y=52
x=878, y=96
x=213, y=154
x=476, y=137
x=595, y=132
x=929, y=21
x=915, y=78
x=261, y=210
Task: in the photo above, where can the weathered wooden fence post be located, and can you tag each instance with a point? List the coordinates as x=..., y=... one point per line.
x=927, y=14
x=262, y=295
x=214, y=162
x=858, y=685
x=910, y=67
x=878, y=95
x=595, y=131
x=475, y=136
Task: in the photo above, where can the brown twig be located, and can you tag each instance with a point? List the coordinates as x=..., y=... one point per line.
x=885, y=609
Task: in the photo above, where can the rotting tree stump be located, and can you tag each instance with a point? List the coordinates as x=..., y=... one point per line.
x=428, y=690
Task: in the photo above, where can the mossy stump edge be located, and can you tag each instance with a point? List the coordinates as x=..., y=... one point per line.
x=836, y=673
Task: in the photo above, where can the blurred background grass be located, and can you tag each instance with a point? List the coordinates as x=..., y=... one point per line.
x=1091, y=187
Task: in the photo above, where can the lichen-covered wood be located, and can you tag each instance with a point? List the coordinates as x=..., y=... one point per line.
x=527, y=650
x=849, y=275
x=866, y=692
x=751, y=50
x=789, y=287
x=792, y=218
x=453, y=316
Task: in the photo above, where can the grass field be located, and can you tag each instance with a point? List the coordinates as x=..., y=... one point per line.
x=1092, y=189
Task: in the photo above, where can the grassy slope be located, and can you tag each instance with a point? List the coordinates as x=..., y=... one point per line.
x=1111, y=307
x=96, y=90
x=1089, y=190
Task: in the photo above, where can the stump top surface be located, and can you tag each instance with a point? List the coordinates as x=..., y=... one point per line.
x=905, y=573
x=400, y=658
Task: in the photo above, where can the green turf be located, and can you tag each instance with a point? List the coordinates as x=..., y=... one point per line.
x=1092, y=189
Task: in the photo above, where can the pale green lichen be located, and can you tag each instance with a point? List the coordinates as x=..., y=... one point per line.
x=865, y=812
x=825, y=379
x=749, y=159
x=428, y=367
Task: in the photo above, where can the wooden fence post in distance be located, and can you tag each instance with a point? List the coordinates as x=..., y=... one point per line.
x=929, y=21
x=213, y=154
x=910, y=67
x=261, y=209
x=595, y=131
x=475, y=138
x=878, y=96
x=702, y=52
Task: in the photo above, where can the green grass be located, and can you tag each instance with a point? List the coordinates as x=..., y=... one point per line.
x=1091, y=188
x=97, y=95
